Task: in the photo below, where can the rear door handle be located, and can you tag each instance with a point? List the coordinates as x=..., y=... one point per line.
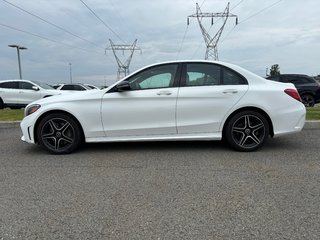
x=167, y=93
x=230, y=91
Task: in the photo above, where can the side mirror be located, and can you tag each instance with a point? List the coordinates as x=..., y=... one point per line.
x=35, y=88
x=123, y=86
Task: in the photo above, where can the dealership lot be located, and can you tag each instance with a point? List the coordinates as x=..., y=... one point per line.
x=166, y=190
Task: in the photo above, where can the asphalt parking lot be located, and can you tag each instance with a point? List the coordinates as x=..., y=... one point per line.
x=166, y=190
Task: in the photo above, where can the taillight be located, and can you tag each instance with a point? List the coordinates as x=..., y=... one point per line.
x=293, y=93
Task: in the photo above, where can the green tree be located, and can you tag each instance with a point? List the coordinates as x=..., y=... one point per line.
x=275, y=70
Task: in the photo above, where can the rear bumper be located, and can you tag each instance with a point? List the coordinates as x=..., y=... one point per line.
x=290, y=121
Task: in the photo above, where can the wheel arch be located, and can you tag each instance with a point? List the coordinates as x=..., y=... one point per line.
x=51, y=112
x=256, y=109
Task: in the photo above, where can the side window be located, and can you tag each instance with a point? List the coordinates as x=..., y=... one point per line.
x=26, y=85
x=11, y=85
x=202, y=74
x=274, y=78
x=299, y=80
x=155, y=77
x=67, y=87
x=292, y=80
x=231, y=77
x=284, y=79
x=78, y=88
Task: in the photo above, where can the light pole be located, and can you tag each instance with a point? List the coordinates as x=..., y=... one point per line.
x=18, y=52
x=70, y=72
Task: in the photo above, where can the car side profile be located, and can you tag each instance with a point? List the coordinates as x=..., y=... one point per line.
x=308, y=87
x=19, y=93
x=180, y=100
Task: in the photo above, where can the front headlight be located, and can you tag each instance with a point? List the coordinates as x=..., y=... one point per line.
x=31, y=109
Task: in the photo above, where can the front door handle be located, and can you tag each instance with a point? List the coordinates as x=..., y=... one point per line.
x=167, y=93
x=230, y=91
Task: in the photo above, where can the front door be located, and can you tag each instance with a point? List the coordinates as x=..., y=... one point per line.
x=148, y=108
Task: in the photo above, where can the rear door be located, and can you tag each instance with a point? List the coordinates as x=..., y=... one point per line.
x=208, y=91
x=9, y=92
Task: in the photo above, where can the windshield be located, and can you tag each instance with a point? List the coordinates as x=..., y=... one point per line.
x=43, y=85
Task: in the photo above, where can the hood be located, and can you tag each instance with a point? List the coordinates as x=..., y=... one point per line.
x=61, y=96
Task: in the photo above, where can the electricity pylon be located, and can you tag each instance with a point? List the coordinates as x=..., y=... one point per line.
x=212, y=42
x=123, y=67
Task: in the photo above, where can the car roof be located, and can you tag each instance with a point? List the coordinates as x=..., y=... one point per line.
x=294, y=74
x=19, y=80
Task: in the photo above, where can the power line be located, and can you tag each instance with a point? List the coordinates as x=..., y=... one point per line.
x=262, y=10
x=47, y=39
x=183, y=38
x=253, y=15
x=52, y=24
x=103, y=22
x=237, y=4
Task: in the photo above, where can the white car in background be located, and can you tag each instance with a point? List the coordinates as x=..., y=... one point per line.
x=180, y=100
x=94, y=87
x=72, y=87
x=19, y=93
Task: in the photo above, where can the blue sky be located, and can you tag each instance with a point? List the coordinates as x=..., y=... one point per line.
x=287, y=33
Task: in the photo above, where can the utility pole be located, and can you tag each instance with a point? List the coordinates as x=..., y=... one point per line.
x=212, y=42
x=18, y=52
x=123, y=67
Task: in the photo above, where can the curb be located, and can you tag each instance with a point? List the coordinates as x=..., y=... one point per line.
x=9, y=124
x=311, y=124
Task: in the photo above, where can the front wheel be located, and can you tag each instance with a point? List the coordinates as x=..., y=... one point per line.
x=59, y=133
x=247, y=131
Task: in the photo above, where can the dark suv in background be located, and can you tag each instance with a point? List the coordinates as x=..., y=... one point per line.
x=308, y=87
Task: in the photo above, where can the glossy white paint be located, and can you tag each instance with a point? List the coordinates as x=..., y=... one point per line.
x=139, y=113
x=202, y=109
x=174, y=113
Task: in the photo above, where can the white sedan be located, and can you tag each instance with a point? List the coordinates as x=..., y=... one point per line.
x=181, y=100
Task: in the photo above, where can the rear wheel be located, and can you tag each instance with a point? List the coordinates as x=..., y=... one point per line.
x=59, y=133
x=308, y=100
x=247, y=131
x=1, y=104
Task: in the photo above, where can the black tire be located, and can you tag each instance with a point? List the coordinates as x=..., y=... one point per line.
x=1, y=104
x=246, y=131
x=308, y=100
x=59, y=133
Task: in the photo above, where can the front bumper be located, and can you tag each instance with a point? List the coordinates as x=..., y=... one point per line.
x=27, y=128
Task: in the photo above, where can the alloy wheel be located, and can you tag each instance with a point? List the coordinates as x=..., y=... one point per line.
x=248, y=131
x=57, y=134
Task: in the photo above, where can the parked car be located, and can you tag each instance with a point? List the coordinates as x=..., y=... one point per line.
x=308, y=87
x=91, y=86
x=72, y=87
x=19, y=93
x=180, y=100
